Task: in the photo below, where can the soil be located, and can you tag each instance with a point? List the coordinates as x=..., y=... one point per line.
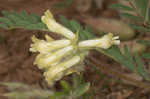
x=16, y=62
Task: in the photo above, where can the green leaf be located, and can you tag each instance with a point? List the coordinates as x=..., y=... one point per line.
x=141, y=67
x=31, y=18
x=146, y=55
x=89, y=33
x=24, y=15
x=65, y=22
x=80, y=90
x=138, y=3
x=41, y=26
x=13, y=18
x=82, y=35
x=141, y=28
x=148, y=16
x=130, y=16
x=35, y=18
x=129, y=62
x=145, y=42
x=144, y=7
x=21, y=19
x=120, y=6
x=75, y=26
x=32, y=27
x=115, y=53
x=127, y=53
x=22, y=23
x=66, y=86
x=6, y=21
x=141, y=5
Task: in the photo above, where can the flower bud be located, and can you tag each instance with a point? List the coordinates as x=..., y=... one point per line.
x=105, y=42
x=43, y=46
x=56, y=72
x=56, y=27
x=46, y=60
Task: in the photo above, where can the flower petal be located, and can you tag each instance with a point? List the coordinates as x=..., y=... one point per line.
x=46, y=60
x=43, y=46
x=56, y=27
x=56, y=72
x=105, y=42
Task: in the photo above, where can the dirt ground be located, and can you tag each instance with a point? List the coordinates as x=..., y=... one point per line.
x=16, y=62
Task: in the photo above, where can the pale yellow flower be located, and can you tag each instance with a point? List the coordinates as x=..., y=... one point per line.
x=43, y=46
x=105, y=42
x=46, y=60
x=53, y=26
x=56, y=72
x=66, y=56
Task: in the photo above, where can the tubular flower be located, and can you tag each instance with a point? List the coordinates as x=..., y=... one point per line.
x=54, y=73
x=45, y=47
x=45, y=60
x=105, y=42
x=63, y=57
x=53, y=26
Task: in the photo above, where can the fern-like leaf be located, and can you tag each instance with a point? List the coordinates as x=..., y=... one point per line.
x=12, y=20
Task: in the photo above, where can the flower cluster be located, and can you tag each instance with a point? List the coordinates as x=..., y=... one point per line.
x=62, y=57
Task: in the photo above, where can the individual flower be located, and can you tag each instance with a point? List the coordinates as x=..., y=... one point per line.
x=53, y=26
x=46, y=60
x=45, y=46
x=105, y=42
x=56, y=72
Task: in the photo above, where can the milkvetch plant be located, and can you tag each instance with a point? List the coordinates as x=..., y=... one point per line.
x=65, y=56
x=59, y=58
